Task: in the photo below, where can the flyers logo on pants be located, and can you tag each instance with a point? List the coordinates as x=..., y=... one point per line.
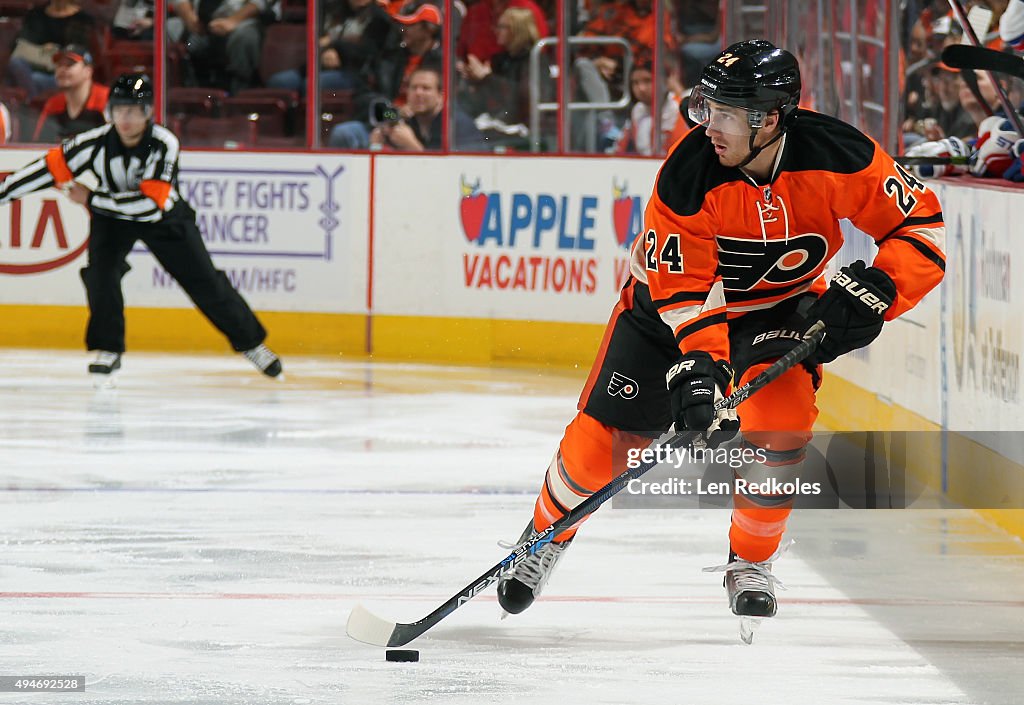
x=623, y=386
x=745, y=263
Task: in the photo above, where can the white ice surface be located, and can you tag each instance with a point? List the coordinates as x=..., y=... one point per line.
x=199, y=535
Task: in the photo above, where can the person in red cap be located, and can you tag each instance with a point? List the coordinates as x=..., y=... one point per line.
x=419, y=25
x=421, y=33
x=79, y=105
x=46, y=28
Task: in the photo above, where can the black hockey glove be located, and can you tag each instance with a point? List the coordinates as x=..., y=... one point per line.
x=695, y=383
x=852, y=310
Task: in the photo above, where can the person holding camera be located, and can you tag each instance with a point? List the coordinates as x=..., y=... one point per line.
x=417, y=45
x=418, y=126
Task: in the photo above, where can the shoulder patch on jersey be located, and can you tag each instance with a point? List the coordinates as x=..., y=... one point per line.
x=822, y=143
x=689, y=172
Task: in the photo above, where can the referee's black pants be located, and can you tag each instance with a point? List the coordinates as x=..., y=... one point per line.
x=178, y=247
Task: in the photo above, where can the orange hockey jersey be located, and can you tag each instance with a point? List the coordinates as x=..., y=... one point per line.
x=716, y=245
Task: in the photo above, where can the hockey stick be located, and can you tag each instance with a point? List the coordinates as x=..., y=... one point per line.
x=980, y=19
x=964, y=56
x=904, y=160
x=367, y=627
x=1011, y=113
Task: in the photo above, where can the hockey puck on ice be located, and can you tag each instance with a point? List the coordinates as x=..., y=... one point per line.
x=402, y=655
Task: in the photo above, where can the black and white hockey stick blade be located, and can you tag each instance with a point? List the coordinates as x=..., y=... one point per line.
x=963, y=56
x=367, y=627
x=363, y=625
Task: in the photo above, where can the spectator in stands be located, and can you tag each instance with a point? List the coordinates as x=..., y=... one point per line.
x=420, y=44
x=637, y=132
x=478, y=36
x=44, y=30
x=354, y=34
x=995, y=151
x=80, y=104
x=6, y=125
x=420, y=28
x=987, y=89
x=947, y=117
x=133, y=20
x=224, y=39
x=917, y=101
x=631, y=20
x=917, y=44
x=422, y=124
x=698, y=38
x=500, y=86
x=598, y=70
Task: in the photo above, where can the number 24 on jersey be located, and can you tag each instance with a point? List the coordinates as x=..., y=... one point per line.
x=669, y=255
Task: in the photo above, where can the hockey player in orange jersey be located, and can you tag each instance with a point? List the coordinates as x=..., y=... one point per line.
x=742, y=221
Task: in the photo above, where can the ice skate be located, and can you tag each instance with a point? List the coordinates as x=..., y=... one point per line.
x=102, y=369
x=265, y=361
x=751, y=590
x=518, y=588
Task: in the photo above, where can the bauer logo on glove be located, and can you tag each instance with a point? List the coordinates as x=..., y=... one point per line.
x=859, y=291
x=696, y=383
x=852, y=309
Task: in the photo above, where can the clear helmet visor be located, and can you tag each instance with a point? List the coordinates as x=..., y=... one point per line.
x=720, y=117
x=128, y=110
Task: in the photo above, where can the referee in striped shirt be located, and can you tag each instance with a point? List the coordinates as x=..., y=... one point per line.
x=136, y=163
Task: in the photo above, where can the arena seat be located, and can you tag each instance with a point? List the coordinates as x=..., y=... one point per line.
x=206, y=102
x=275, y=107
x=335, y=107
x=284, y=47
x=237, y=130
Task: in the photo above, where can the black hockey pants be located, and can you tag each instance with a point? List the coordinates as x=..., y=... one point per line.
x=178, y=246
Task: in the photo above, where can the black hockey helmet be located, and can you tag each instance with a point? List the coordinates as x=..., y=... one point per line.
x=755, y=75
x=131, y=89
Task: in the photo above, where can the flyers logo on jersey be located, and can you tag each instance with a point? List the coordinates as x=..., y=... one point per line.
x=623, y=386
x=745, y=263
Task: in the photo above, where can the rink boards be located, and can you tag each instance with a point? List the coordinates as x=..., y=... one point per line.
x=517, y=260
x=289, y=230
